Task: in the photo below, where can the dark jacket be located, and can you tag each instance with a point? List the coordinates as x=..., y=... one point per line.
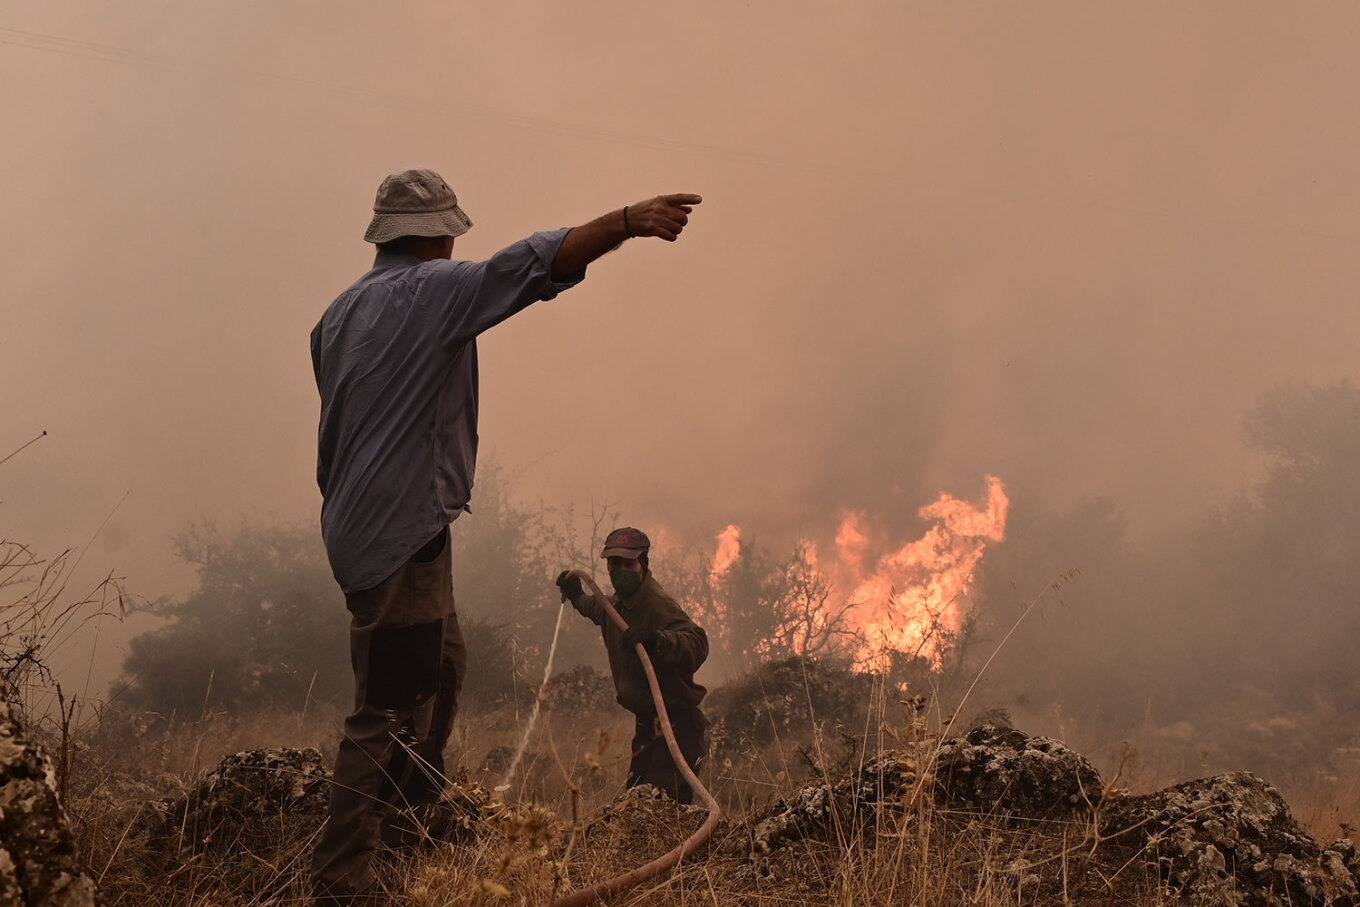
x=681, y=647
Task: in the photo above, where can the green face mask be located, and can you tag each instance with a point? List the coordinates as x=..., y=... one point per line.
x=626, y=582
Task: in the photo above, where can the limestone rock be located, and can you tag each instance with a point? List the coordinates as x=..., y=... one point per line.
x=1000, y=769
x=246, y=803
x=1340, y=865
x=815, y=810
x=994, y=770
x=1231, y=839
x=37, y=852
x=580, y=690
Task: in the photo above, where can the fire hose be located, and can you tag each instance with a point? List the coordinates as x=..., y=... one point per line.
x=690, y=844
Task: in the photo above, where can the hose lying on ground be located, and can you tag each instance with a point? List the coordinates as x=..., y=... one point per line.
x=690, y=844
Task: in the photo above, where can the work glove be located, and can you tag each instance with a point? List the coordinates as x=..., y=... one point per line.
x=634, y=635
x=570, y=586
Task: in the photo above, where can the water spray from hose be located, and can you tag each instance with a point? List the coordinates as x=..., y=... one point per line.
x=538, y=704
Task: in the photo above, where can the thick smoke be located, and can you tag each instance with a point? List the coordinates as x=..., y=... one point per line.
x=1068, y=247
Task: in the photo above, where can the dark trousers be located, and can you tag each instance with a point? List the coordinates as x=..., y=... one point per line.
x=652, y=763
x=409, y=660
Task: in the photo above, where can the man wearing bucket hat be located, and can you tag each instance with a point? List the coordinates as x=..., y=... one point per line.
x=395, y=359
x=674, y=643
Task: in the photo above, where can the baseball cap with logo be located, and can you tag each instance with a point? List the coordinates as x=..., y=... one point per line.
x=626, y=542
x=415, y=203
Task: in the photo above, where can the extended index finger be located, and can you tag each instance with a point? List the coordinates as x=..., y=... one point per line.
x=684, y=198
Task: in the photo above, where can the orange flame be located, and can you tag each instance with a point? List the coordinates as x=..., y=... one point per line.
x=917, y=597
x=851, y=542
x=729, y=549
x=911, y=598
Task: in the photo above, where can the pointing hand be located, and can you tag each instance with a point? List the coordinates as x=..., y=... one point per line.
x=664, y=216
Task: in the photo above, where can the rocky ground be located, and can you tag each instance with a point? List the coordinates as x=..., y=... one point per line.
x=38, y=862
x=993, y=816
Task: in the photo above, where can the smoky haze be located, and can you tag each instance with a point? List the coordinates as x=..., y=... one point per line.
x=1066, y=245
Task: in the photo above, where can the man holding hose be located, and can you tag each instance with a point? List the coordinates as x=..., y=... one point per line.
x=676, y=646
x=395, y=359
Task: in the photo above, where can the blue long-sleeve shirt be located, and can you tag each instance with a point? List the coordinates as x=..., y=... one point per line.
x=395, y=358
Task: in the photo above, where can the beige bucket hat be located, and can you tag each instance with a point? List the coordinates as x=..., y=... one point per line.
x=415, y=203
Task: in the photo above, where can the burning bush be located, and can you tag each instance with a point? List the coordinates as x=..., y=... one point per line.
x=870, y=601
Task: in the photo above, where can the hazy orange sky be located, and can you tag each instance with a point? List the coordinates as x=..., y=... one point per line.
x=1067, y=244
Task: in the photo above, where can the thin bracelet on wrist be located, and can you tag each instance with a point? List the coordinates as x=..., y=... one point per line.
x=627, y=228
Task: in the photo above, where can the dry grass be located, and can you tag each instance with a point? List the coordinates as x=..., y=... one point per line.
x=558, y=824
x=560, y=828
